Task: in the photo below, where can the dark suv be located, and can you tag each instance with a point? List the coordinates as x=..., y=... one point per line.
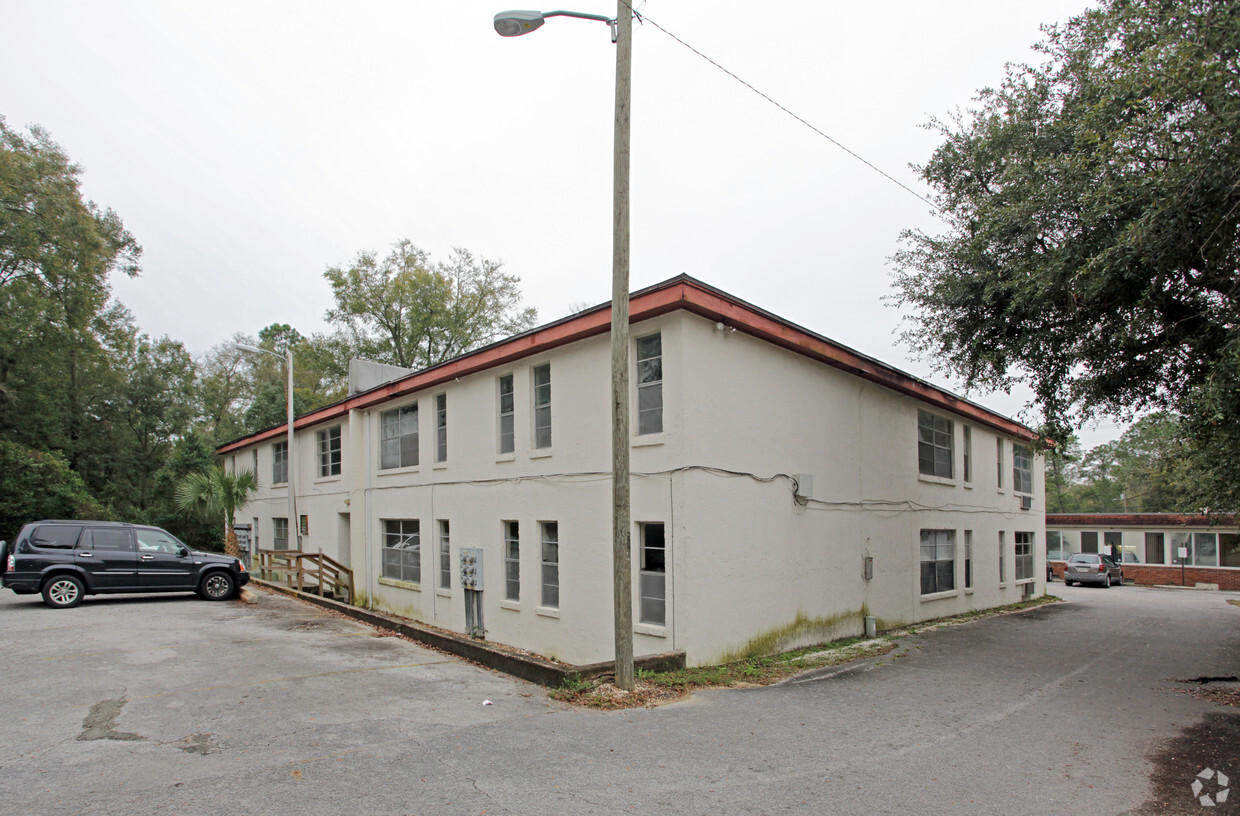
x=66, y=560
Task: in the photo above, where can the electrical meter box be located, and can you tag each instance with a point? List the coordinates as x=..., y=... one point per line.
x=471, y=568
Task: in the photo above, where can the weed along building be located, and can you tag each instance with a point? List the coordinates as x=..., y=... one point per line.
x=784, y=487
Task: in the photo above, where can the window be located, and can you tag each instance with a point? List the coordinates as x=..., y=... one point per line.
x=968, y=559
x=441, y=428
x=1229, y=550
x=1024, y=556
x=999, y=460
x=303, y=525
x=934, y=445
x=938, y=561
x=1002, y=558
x=108, y=540
x=1114, y=543
x=445, y=556
x=1205, y=546
x=402, y=550
x=1056, y=546
x=507, y=435
x=1089, y=542
x=329, y=452
x=156, y=541
x=1155, y=549
x=652, y=587
x=1022, y=469
x=542, y=406
x=279, y=533
x=967, y=443
x=512, y=561
x=255, y=465
x=398, y=437
x=550, y=564
x=279, y=463
x=650, y=384
x=1178, y=541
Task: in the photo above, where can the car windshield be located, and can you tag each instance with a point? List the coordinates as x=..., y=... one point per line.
x=1083, y=559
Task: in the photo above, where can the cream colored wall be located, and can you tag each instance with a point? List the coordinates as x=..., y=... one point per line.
x=751, y=570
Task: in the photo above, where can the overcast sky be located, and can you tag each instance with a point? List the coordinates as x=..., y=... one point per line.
x=250, y=145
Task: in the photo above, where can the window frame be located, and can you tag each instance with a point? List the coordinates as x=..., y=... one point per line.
x=400, y=445
x=444, y=535
x=1023, y=540
x=550, y=572
x=330, y=456
x=937, y=542
x=940, y=456
x=409, y=533
x=966, y=445
x=278, y=522
x=512, y=561
x=507, y=428
x=279, y=462
x=540, y=401
x=652, y=573
x=441, y=428
x=649, y=383
x=1022, y=477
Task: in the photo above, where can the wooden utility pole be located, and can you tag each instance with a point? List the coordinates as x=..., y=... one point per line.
x=621, y=514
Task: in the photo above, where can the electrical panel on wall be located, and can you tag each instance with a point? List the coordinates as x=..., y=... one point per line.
x=471, y=568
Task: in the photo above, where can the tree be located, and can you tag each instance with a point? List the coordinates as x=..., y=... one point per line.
x=215, y=493
x=40, y=485
x=1092, y=239
x=406, y=311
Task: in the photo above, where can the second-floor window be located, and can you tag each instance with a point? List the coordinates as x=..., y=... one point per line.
x=441, y=428
x=1022, y=469
x=650, y=384
x=934, y=445
x=329, y=452
x=398, y=437
x=507, y=429
x=279, y=462
x=542, y=406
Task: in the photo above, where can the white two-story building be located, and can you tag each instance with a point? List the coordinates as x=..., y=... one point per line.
x=783, y=488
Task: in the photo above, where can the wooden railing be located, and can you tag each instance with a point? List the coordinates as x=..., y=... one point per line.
x=307, y=572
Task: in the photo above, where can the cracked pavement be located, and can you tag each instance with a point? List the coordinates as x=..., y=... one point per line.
x=137, y=705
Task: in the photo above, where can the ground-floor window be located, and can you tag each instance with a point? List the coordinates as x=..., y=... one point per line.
x=279, y=533
x=512, y=561
x=1024, y=556
x=1056, y=546
x=402, y=550
x=938, y=561
x=968, y=559
x=652, y=589
x=1155, y=548
x=445, y=556
x=550, y=564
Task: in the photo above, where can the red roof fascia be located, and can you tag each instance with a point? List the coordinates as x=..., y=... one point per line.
x=680, y=293
x=589, y=324
x=1136, y=520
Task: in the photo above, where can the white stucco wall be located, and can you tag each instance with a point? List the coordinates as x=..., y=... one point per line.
x=750, y=569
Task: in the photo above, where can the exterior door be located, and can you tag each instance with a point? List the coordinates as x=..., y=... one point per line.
x=107, y=555
x=163, y=562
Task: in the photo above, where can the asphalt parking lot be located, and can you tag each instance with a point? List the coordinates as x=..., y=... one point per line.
x=135, y=705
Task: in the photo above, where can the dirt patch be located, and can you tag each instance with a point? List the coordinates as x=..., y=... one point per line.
x=198, y=744
x=1212, y=745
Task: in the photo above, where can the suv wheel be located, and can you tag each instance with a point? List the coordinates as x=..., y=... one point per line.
x=63, y=591
x=218, y=586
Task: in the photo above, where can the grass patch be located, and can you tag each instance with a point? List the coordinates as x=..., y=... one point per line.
x=653, y=688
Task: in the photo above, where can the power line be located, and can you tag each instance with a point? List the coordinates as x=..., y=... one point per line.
x=644, y=19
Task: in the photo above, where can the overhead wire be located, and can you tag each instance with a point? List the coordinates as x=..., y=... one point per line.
x=641, y=18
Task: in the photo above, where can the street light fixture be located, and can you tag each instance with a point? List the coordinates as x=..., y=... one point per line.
x=516, y=22
x=294, y=529
x=513, y=24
